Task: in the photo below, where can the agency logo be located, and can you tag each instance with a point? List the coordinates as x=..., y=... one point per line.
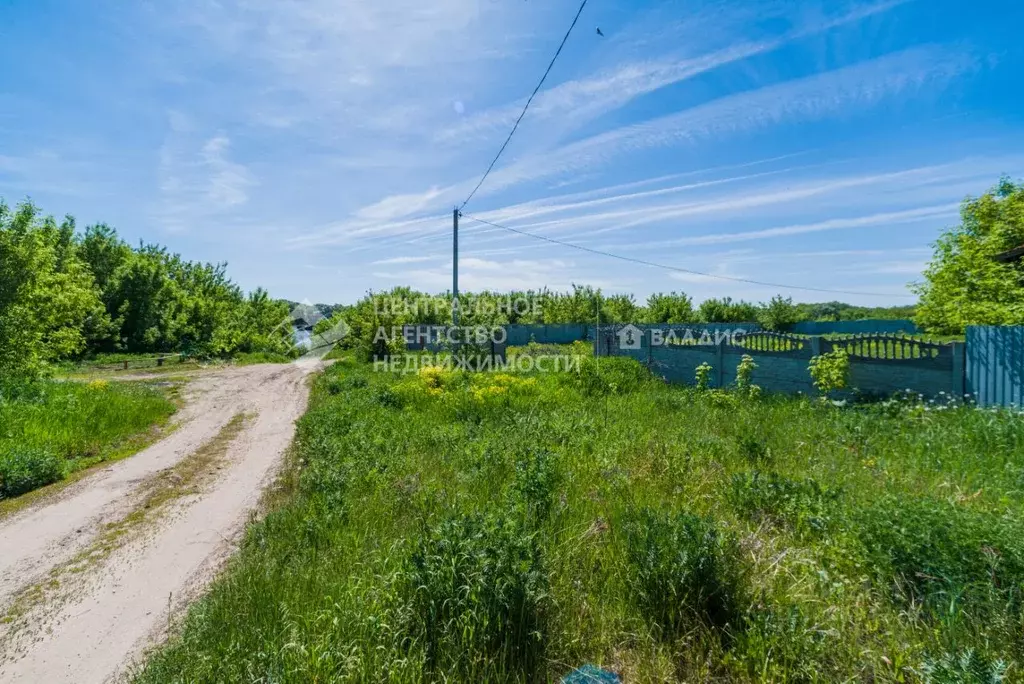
x=630, y=337
x=299, y=326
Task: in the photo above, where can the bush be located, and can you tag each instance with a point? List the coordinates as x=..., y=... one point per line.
x=802, y=504
x=830, y=372
x=703, y=376
x=24, y=468
x=479, y=593
x=745, y=377
x=681, y=571
x=611, y=375
x=253, y=358
x=385, y=396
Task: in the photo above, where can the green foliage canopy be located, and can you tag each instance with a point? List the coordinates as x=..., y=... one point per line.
x=64, y=294
x=48, y=298
x=965, y=284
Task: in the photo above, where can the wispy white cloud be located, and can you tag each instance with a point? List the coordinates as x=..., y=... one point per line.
x=404, y=260
x=859, y=86
x=198, y=178
x=570, y=104
x=477, y=274
x=397, y=206
x=883, y=218
x=228, y=181
x=626, y=213
x=47, y=171
x=841, y=90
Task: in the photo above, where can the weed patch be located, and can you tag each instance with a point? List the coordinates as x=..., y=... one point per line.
x=682, y=571
x=934, y=552
x=479, y=591
x=610, y=375
x=769, y=497
x=24, y=468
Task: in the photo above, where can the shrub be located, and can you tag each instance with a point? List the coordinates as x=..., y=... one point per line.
x=479, y=593
x=386, y=396
x=681, y=571
x=334, y=385
x=252, y=358
x=24, y=468
x=611, y=375
x=744, y=376
x=703, y=376
x=830, y=372
x=802, y=504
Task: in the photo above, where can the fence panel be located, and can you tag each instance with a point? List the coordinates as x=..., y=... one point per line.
x=995, y=365
x=893, y=348
x=854, y=327
x=772, y=342
x=555, y=333
x=879, y=364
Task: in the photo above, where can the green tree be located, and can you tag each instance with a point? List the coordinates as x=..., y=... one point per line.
x=965, y=284
x=618, y=309
x=725, y=310
x=778, y=314
x=674, y=307
x=48, y=298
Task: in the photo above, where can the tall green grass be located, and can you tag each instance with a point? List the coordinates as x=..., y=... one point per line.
x=49, y=430
x=496, y=527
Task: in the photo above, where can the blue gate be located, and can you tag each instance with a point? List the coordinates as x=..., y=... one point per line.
x=995, y=365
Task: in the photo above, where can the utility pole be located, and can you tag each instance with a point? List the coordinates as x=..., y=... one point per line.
x=455, y=267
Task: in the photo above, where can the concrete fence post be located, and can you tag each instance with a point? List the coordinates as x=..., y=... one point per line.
x=720, y=363
x=815, y=346
x=959, y=385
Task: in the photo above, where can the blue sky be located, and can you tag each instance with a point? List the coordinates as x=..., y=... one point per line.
x=319, y=145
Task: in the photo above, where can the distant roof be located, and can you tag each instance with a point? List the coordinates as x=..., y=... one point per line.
x=1014, y=254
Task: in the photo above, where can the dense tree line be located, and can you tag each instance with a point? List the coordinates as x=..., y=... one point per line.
x=583, y=304
x=66, y=293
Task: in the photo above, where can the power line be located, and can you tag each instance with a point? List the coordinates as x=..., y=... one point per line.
x=521, y=115
x=643, y=262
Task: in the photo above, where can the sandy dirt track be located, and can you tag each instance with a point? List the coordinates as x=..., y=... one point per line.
x=102, y=619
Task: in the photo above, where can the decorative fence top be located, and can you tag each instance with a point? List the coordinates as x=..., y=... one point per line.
x=886, y=348
x=892, y=347
x=765, y=341
x=867, y=326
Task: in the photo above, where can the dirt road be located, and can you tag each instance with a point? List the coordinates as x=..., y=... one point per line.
x=91, y=578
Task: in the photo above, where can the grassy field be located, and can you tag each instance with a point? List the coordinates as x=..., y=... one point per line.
x=501, y=527
x=50, y=430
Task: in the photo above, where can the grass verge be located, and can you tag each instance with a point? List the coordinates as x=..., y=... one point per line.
x=50, y=431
